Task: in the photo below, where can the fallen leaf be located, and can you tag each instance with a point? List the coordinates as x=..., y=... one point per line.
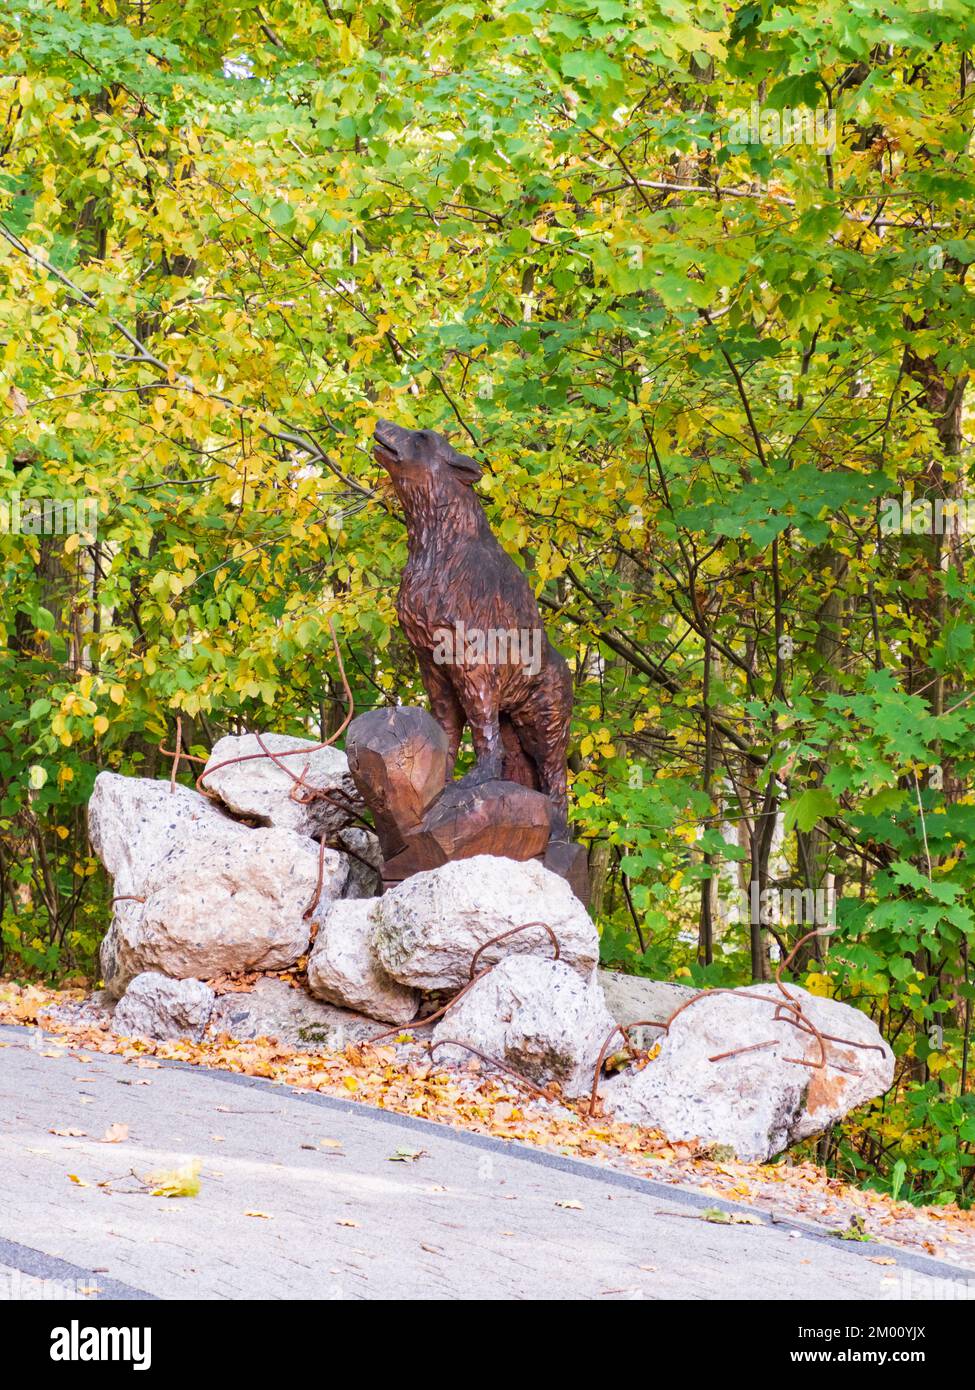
x=262, y=1215
x=406, y=1155
x=69, y=1133
x=346, y=1223
x=177, y=1182
x=569, y=1205
x=115, y=1134
x=855, y=1231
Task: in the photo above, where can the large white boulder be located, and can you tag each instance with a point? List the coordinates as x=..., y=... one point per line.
x=277, y=1010
x=155, y=1006
x=197, y=892
x=133, y=823
x=429, y=926
x=261, y=788
x=539, y=1016
x=756, y=1102
x=222, y=903
x=343, y=968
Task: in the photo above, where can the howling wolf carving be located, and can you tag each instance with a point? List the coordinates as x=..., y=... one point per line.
x=469, y=614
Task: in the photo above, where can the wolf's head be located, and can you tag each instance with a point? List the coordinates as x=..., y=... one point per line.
x=421, y=459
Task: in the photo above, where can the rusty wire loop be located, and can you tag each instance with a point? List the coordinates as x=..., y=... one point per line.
x=513, y=931
x=788, y=1009
x=431, y=1018
x=496, y=1062
x=179, y=750
x=309, y=910
x=740, y=1051
x=785, y=1006
x=830, y=1037
x=178, y=754
x=475, y=979
x=624, y=1030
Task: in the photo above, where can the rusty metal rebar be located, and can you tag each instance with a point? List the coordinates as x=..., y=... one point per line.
x=496, y=1062
x=513, y=931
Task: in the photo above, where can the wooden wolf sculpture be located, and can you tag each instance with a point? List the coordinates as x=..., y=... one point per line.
x=471, y=617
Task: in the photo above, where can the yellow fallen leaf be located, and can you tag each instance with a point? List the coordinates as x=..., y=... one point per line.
x=178, y=1182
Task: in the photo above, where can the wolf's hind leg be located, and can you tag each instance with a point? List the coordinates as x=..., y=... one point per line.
x=518, y=766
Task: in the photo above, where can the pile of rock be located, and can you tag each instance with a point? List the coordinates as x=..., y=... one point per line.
x=263, y=874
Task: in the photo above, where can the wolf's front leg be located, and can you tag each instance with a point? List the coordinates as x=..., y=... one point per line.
x=444, y=705
x=481, y=708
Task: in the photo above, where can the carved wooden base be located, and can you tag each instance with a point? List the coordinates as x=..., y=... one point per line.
x=398, y=760
x=571, y=862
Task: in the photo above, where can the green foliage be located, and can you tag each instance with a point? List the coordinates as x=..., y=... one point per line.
x=697, y=355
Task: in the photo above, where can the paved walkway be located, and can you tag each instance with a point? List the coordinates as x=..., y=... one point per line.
x=299, y=1199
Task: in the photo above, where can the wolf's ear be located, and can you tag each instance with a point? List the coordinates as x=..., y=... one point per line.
x=465, y=468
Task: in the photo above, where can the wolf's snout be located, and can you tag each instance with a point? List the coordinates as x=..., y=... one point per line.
x=384, y=433
x=384, y=441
